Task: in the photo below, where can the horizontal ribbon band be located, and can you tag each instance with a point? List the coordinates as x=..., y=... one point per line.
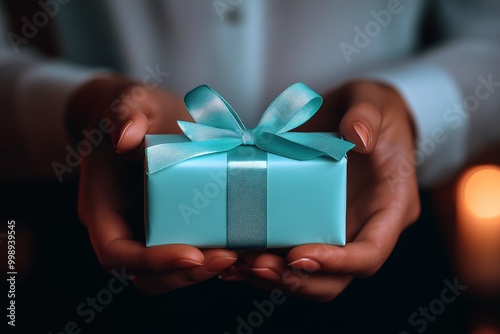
x=219, y=129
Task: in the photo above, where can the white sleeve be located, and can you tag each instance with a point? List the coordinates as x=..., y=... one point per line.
x=33, y=95
x=453, y=90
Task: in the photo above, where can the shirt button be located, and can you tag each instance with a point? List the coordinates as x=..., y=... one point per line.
x=233, y=16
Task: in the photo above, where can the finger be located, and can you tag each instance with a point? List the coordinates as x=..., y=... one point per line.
x=131, y=126
x=262, y=270
x=141, y=260
x=99, y=209
x=319, y=287
x=216, y=260
x=362, y=257
x=272, y=268
x=116, y=248
x=316, y=287
x=272, y=272
x=361, y=125
x=266, y=265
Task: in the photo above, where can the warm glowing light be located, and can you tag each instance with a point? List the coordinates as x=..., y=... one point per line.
x=481, y=191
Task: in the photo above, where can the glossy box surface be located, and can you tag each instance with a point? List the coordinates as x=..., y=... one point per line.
x=187, y=203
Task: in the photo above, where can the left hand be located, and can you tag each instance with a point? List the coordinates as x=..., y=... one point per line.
x=381, y=201
x=110, y=199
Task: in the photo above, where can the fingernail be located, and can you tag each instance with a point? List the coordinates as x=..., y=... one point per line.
x=185, y=264
x=305, y=264
x=266, y=274
x=122, y=133
x=219, y=263
x=362, y=132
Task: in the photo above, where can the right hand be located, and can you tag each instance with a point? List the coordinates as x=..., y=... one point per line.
x=110, y=199
x=375, y=117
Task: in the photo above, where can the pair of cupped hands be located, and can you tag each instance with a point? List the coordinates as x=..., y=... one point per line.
x=381, y=202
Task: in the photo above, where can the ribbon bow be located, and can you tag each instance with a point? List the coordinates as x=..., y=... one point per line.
x=219, y=129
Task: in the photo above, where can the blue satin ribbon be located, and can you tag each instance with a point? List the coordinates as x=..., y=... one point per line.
x=246, y=215
x=219, y=129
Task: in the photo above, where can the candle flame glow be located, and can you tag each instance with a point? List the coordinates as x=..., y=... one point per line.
x=481, y=191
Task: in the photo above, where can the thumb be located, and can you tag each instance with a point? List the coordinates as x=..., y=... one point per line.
x=130, y=122
x=361, y=125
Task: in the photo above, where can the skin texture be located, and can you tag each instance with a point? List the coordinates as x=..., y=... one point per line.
x=369, y=114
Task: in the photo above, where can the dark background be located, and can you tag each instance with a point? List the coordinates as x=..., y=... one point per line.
x=58, y=270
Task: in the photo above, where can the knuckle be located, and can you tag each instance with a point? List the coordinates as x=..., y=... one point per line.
x=318, y=250
x=366, y=106
x=154, y=266
x=366, y=87
x=121, y=113
x=151, y=107
x=106, y=258
x=415, y=210
x=340, y=259
x=104, y=261
x=370, y=271
x=372, y=268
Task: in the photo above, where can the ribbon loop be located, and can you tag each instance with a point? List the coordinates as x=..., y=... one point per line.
x=292, y=108
x=207, y=107
x=219, y=129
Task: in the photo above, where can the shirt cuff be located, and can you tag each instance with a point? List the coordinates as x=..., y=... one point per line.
x=41, y=96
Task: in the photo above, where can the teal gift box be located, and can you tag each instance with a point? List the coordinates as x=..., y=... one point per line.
x=222, y=185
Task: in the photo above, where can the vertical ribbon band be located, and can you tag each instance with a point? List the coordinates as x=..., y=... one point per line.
x=246, y=198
